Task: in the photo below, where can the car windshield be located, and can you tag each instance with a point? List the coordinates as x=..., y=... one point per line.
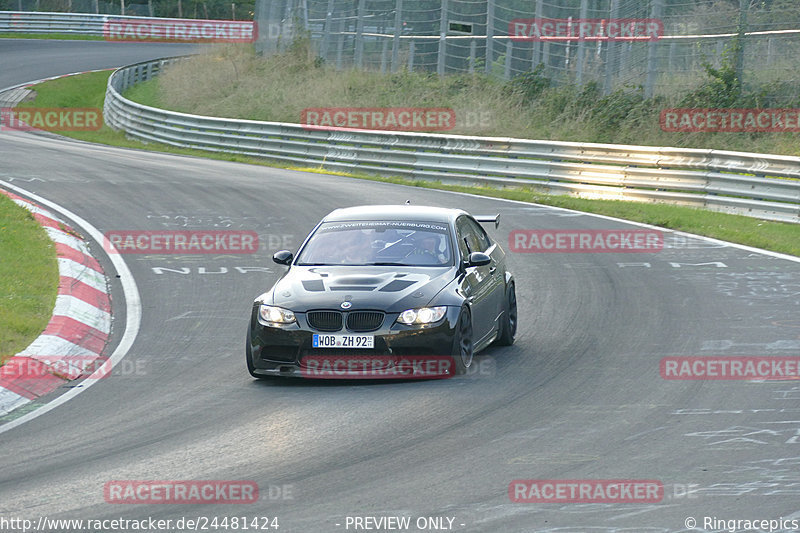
x=378, y=243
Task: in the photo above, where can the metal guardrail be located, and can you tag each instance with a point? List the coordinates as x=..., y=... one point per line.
x=734, y=182
x=31, y=22
x=76, y=23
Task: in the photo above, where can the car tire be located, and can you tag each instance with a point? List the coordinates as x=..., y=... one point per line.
x=463, y=345
x=508, y=325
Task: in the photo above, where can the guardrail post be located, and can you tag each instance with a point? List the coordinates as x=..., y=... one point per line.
x=340, y=45
x=581, y=60
x=507, y=67
x=611, y=53
x=359, y=53
x=398, y=28
x=537, y=46
x=489, y=35
x=287, y=28
x=743, y=6
x=770, y=48
x=652, y=54
x=384, y=55
x=411, y=52
x=326, y=36
x=442, y=39
x=624, y=55
x=473, y=48
x=268, y=17
x=671, y=58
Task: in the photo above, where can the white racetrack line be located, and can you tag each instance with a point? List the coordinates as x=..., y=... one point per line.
x=133, y=310
x=643, y=225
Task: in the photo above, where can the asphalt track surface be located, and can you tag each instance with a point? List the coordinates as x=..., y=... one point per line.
x=23, y=60
x=579, y=396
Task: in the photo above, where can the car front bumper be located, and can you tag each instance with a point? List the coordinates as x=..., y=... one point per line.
x=288, y=351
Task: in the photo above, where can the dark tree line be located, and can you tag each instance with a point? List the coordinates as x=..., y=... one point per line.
x=212, y=9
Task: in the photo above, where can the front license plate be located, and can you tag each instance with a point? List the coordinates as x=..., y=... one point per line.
x=343, y=341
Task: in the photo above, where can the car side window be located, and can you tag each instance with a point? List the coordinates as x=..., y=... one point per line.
x=462, y=233
x=481, y=241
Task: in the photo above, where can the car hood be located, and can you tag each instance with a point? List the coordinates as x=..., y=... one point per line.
x=391, y=289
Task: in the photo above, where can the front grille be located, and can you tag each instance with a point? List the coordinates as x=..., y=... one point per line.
x=325, y=320
x=364, y=320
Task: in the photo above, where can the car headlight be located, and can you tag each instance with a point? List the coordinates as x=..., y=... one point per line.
x=275, y=315
x=422, y=315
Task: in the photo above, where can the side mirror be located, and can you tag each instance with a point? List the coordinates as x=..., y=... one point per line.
x=478, y=259
x=284, y=257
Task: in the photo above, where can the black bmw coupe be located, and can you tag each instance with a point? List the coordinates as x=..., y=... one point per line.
x=385, y=291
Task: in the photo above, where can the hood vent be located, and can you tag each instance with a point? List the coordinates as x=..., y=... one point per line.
x=397, y=285
x=313, y=285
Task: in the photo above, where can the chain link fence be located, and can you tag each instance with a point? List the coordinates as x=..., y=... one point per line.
x=760, y=38
x=460, y=36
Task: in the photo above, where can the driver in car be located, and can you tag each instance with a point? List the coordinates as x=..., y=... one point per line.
x=357, y=249
x=426, y=251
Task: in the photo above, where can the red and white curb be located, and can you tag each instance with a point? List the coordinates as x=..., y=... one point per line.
x=78, y=330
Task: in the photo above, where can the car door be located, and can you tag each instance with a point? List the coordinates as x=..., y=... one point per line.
x=496, y=279
x=477, y=283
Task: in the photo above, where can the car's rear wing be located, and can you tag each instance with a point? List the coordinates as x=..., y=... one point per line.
x=489, y=218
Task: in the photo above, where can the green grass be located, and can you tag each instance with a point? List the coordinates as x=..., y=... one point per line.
x=145, y=92
x=60, y=36
x=28, y=278
x=88, y=91
x=84, y=90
